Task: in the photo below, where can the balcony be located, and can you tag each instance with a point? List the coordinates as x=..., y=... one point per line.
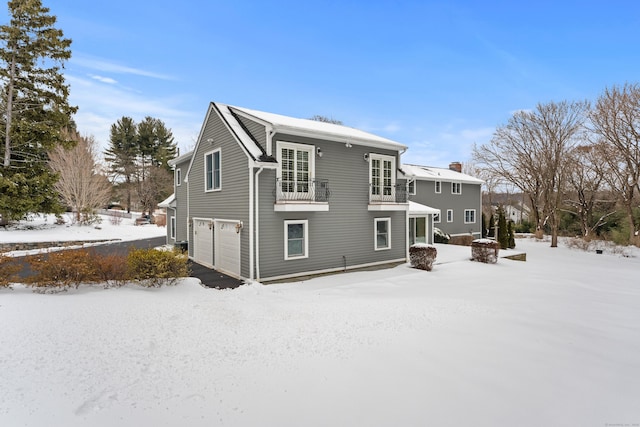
x=300, y=196
x=388, y=197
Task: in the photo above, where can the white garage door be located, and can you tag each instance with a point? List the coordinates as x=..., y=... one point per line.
x=203, y=242
x=228, y=247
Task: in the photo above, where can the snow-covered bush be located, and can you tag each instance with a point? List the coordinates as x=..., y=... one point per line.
x=440, y=236
x=8, y=269
x=422, y=256
x=154, y=268
x=485, y=250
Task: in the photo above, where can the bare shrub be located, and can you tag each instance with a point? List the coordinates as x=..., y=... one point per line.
x=461, y=240
x=578, y=243
x=422, y=256
x=8, y=270
x=485, y=250
x=62, y=269
x=116, y=218
x=111, y=269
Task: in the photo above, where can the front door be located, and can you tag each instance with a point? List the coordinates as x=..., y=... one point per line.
x=417, y=230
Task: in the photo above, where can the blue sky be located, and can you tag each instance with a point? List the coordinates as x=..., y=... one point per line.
x=436, y=76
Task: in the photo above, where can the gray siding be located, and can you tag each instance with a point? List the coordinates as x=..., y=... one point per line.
x=181, y=204
x=232, y=201
x=471, y=198
x=345, y=232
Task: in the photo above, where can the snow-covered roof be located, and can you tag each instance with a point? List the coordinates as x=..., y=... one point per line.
x=419, y=209
x=180, y=159
x=330, y=131
x=249, y=144
x=429, y=173
x=169, y=202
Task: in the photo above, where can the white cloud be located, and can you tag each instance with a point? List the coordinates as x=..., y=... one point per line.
x=102, y=79
x=107, y=66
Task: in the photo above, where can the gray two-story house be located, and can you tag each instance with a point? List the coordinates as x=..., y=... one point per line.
x=456, y=195
x=268, y=197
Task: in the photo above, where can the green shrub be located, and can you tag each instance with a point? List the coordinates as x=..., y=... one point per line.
x=152, y=267
x=8, y=270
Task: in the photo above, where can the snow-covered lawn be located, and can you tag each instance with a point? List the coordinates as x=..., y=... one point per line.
x=554, y=341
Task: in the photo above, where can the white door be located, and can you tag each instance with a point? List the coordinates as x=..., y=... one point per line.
x=227, y=240
x=203, y=242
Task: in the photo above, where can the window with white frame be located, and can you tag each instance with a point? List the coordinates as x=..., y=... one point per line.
x=436, y=217
x=449, y=215
x=173, y=227
x=382, y=231
x=411, y=187
x=469, y=216
x=438, y=186
x=296, y=168
x=382, y=177
x=212, y=168
x=296, y=239
x=456, y=188
x=178, y=177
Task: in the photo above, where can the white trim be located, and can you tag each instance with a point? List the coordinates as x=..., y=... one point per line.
x=382, y=158
x=213, y=180
x=415, y=187
x=301, y=207
x=217, y=256
x=449, y=217
x=437, y=185
x=172, y=227
x=456, y=184
x=474, y=216
x=178, y=177
x=388, y=207
x=332, y=270
x=311, y=149
x=375, y=233
x=305, y=230
x=439, y=218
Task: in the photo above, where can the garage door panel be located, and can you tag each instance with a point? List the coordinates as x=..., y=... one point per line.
x=228, y=247
x=203, y=242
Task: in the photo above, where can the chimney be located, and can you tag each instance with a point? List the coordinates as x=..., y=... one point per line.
x=456, y=167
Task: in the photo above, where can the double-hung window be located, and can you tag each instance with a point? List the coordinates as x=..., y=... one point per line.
x=178, y=177
x=382, y=177
x=382, y=233
x=173, y=227
x=212, y=175
x=449, y=215
x=469, y=216
x=456, y=188
x=296, y=162
x=438, y=185
x=296, y=239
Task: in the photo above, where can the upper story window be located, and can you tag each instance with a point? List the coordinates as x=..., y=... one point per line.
x=296, y=168
x=212, y=167
x=382, y=177
x=469, y=216
x=438, y=185
x=456, y=188
x=178, y=177
x=411, y=187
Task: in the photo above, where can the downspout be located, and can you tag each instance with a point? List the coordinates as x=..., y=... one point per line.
x=251, y=259
x=186, y=180
x=257, y=222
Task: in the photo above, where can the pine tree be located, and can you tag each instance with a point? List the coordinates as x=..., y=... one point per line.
x=492, y=227
x=485, y=231
x=35, y=107
x=503, y=235
x=122, y=152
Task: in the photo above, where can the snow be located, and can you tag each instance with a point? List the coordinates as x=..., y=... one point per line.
x=436, y=174
x=551, y=341
x=43, y=228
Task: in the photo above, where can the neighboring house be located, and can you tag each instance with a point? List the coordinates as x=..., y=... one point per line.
x=516, y=212
x=268, y=197
x=457, y=196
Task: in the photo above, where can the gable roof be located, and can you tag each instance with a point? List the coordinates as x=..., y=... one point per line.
x=429, y=173
x=313, y=128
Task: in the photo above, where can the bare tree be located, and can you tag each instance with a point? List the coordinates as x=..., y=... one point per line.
x=616, y=124
x=81, y=185
x=157, y=186
x=585, y=180
x=529, y=152
x=325, y=119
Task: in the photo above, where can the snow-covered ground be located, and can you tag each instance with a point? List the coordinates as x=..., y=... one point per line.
x=554, y=341
x=43, y=228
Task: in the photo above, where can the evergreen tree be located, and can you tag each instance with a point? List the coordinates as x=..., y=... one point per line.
x=511, y=237
x=484, y=226
x=492, y=227
x=503, y=234
x=122, y=152
x=35, y=108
